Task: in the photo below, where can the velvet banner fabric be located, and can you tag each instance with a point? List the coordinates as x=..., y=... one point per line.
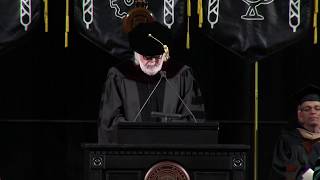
x=18, y=18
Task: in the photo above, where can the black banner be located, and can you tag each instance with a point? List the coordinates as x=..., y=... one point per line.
x=256, y=29
x=17, y=19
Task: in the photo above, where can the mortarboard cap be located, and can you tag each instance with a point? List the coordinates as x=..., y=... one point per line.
x=149, y=39
x=308, y=93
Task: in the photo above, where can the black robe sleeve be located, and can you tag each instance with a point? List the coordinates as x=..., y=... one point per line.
x=191, y=95
x=111, y=105
x=290, y=159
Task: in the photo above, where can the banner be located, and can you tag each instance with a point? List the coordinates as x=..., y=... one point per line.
x=17, y=19
x=100, y=21
x=256, y=29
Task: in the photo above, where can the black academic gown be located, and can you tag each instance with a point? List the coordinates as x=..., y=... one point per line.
x=293, y=155
x=127, y=88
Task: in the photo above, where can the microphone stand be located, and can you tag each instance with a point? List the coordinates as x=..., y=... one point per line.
x=163, y=74
x=148, y=98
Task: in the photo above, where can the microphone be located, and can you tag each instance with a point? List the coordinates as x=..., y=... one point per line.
x=155, y=87
x=166, y=116
x=163, y=74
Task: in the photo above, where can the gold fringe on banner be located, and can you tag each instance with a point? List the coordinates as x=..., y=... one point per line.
x=67, y=25
x=188, y=25
x=46, y=27
x=315, y=22
x=200, y=13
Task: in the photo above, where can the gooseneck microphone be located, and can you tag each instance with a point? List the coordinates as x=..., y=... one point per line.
x=163, y=74
x=144, y=104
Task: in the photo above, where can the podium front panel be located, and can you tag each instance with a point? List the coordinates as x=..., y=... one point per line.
x=138, y=162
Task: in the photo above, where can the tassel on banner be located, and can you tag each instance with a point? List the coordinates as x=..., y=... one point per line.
x=188, y=37
x=188, y=17
x=200, y=13
x=315, y=22
x=46, y=27
x=67, y=25
x=189, y=8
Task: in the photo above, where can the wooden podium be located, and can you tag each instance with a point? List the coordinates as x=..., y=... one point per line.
x=185, y=160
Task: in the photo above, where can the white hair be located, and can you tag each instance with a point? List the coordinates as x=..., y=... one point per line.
x=149, y=70
x=136, y=58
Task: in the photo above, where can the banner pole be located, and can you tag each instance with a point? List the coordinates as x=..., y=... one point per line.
x=256, y=95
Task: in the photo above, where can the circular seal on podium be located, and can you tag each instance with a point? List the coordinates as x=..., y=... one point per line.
x=167, y=170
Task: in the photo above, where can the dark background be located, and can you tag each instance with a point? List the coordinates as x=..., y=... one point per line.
x=49, y=97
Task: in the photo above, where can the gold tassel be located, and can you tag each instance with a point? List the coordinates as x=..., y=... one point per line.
x=46, y=27
x=315, y=22
x=67, y=25
x=315, y=36
x=188, y=17
x=200, y=13
x=188, y=37
x=189, y=8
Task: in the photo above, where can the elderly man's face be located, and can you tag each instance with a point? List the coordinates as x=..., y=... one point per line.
x=150, y=65
x=309, y=115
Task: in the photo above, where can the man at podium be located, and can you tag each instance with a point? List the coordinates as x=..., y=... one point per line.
x=151, y=88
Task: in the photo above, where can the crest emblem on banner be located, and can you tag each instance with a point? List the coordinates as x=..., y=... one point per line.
x=254, y=29
x=118, y=8
x=252, y=12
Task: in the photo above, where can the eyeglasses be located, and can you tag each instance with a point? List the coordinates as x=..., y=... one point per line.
x=152, y=57
x=309, y=108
